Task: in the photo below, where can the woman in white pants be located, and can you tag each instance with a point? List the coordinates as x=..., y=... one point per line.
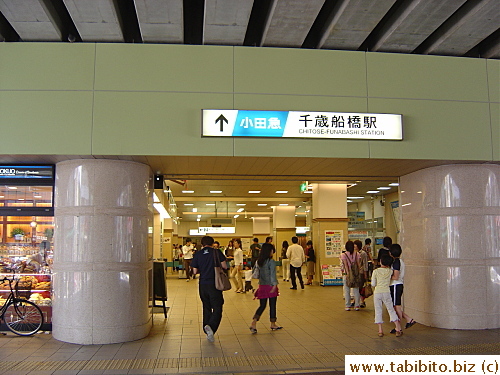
x=285, y=262
x=238, y=265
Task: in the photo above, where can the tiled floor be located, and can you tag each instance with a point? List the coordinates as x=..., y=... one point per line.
x=317, y=334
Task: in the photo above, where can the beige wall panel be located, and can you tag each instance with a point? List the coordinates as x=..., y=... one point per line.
x=299, y=72
x=147, y=67
x=149, y=123
x=287, y=147
x=46, y=122
x=426, y=77
x=494, y=79
x=436, y=130
x=46, y=66
x=495, y=129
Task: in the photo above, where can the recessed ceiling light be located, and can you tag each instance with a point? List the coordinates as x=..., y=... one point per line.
x=2, y=196
x=241, y=204
x=11, y=187
x=240, y=210
x=20, y=199
x=349, y=201
x=406, y=204
x=37, y=196
x=253, y=191
x=355, y=197
x=188, y=191
x=188, y=204
x=210, y=204
x=215, y=191
x=198, y=219
x=372, y=192
x=419, y=192
x=283, y=204
x=262, y=204
x=236, y=216
x=195, y=209
x=394, y=184
x=308, y=191
x=384, y=188
x=281, y=191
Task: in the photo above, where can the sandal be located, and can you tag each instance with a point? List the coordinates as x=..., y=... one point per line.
x=399, y=333
x=381, y=334
x=276, y=328
x=410, y=323
x=253, y=330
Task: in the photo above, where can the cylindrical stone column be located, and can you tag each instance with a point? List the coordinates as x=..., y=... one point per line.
x=451, y=246
x=101, y=260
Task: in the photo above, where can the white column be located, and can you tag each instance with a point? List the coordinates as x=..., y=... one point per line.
x=451, y=246
x=262, y=226
x=101, y=260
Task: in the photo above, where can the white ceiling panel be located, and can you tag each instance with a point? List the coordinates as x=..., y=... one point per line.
x=226, y=21
x=30, y=20
x=160, y=20
x=291, y=21
x=95, y=20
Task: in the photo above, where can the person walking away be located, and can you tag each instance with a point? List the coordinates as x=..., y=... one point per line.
x=211, y=298
x=269, y=239
x=350, y=263
x=368, y=249
x=310, y=262
x=229, y=255
x=384, y=251
x=248, y=279
x=255, y=250
x=238, y=264
x=285, y=262
x=268, y=287
x=381, y=279
x=396, y=287
x=363, y=256
x=297, y=257
x=187, y=256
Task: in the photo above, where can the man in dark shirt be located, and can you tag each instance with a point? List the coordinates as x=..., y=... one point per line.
x=211, y=298
x=255, y=248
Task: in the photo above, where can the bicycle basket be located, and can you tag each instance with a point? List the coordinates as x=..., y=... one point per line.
x=23, y=289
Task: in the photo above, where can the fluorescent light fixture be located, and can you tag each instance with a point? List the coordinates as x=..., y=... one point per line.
x=384, y=188
x=37, y=196
x=188, y=191
x=20, y=199
x=195, y=209
x=2, y=196
x=407, y=204
x=349, y=201
x=262, y=204
x=215, y=191
x=155, y=198
x=198, y=219
x=188, y=204
x=372, y=192
x=355, y=197
x=236, y=216
x=419, y=192
x=253, y=191
x=198, y=215
x=283, y=204
x=241, y=204
x=12, y=187
x=351, y=185
x=394, y=184
x=281, y=191
x=308, y=191
x=161, y=210
x=210, y=204
x=240, y=210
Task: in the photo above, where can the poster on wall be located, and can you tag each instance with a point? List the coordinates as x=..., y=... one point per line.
x=334, y=242
x=396, y=214
x=331, y=275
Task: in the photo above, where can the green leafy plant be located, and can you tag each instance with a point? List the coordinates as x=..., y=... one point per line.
x=16, y=231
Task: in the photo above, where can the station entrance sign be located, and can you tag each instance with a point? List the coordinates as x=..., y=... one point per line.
x=300, y=124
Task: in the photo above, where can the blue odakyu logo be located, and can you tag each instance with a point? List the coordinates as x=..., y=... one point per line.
x=260, y=123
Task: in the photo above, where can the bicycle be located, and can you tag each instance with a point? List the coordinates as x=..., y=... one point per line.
x=21, y=316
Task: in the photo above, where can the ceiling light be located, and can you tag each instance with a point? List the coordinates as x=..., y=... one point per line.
x=215, y=191
x=2, y=196
x=355, y=197
x=37, y=196
x=253, y=191
x=188, y=191
x=281, y=191
x=262, y=204
x=198, y=219
x=195, y=209
x=308, y=191
x=241, y=204
x=349, y=201
x=407, y=204
x=236, y=216
x=283, y=204
x=210, y=204
x=11, y=187
x=383, y=188
x=394, y=184
x=20, y=199
x=198, y=215
x=240, y=210
x=419, y=192
x=188, y=204
x=372, y=192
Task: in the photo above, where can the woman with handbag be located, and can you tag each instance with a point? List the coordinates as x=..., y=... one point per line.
x=268, y=287
x=351, y=272
x=363, y=256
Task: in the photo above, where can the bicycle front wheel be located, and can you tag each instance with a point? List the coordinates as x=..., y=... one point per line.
x=23, y=317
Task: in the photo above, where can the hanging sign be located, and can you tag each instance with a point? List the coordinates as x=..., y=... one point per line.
x=301, y=124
